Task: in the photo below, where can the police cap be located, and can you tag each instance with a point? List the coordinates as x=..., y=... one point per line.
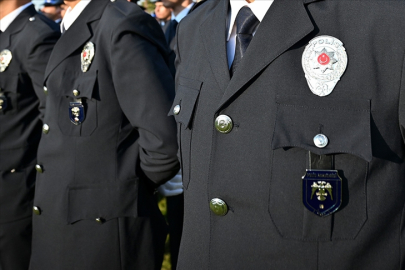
x=48, y=3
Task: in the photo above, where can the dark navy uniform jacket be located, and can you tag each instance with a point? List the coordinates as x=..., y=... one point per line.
x=94, y=199
x=29, y=40
x=257, y=168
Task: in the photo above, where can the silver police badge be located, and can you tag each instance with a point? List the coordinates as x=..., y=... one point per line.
x=5, y=59
x=324, y=61
x=87, y=56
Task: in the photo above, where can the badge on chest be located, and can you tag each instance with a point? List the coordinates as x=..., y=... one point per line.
x=321, y=186
x=324, y=61
x=76, y=112
x=3, y=102
x=87, y=56
x=5, y=59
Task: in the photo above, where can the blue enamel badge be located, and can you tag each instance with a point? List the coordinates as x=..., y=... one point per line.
x=3, y=102
x=76, y=112
x=322, y=191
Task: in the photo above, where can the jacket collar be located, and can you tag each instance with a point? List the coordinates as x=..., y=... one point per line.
x=285, y=24
x=17, y=25
x=213, y=33
x=79, y=32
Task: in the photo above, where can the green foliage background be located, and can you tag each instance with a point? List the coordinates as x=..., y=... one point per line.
x=148, y=4
x=166, y=261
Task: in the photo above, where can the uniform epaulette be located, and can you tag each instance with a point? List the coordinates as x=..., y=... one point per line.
x=196, y=5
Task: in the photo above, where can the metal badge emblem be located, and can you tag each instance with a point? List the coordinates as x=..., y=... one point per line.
x=87, y=56
x=5, y=59
x=324, y=61
x=322, y=191
x=76, y=113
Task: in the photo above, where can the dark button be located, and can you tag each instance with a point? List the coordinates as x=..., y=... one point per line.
x=36, y=210
x=218, y=207
x=39, y=168
x=100, y=220
x=223, y=123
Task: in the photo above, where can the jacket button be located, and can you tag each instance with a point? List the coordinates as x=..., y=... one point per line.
x=36, y=210
x=218, y=207
x=223, y=124
x=76, y=92
x=100, y=220
x=45, y=129
x=176, y=109
x=39, y=168
x=45, y=90
x=321, y=141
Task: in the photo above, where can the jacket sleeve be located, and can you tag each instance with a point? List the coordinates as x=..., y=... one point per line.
x=37, y=59
x=145, y=90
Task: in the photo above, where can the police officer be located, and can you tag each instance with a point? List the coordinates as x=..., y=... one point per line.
x=53, y=10
x=162, y=14
x=26, y=42
x=291, y=118
x=107, y=142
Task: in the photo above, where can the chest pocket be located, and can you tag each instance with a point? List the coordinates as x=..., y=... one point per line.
x=346, y=124
x=79, y=102
x=8, y=94
x=183, y=108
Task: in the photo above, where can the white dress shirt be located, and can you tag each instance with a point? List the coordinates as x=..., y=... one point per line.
x=258, y=7
x=183, y=13
x=72, y=14
x=9, y=18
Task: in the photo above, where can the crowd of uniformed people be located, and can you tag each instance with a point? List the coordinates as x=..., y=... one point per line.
x=274, y=128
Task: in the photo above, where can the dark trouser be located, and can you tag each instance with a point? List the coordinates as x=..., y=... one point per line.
x=175, y=212
x=15, y=244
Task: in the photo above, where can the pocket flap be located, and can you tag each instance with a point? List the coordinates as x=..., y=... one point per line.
x=9, y=84
x=84, y=86
x=186, y=96
x=107, y=201
x=346, y=124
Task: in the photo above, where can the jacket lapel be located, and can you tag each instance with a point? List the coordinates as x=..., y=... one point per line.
x=213, y=33
x=16, y=26
x=76, y=36
x=285, y=23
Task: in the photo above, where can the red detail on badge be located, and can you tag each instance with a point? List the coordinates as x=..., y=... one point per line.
x=1, y=59
x=84, y=54
x=323, y=59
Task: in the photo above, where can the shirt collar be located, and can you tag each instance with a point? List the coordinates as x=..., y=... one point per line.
x=258, y=7
x=72, y=14
x=183, y=13
x=9, y=18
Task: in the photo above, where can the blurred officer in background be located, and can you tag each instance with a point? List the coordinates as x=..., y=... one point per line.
x=53, y=10
x=180, y=9
x=291, y=116
x=26, y=42
x=162, y=14
x=107, y=142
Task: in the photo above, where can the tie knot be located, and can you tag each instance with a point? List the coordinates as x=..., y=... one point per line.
x=246, y=21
